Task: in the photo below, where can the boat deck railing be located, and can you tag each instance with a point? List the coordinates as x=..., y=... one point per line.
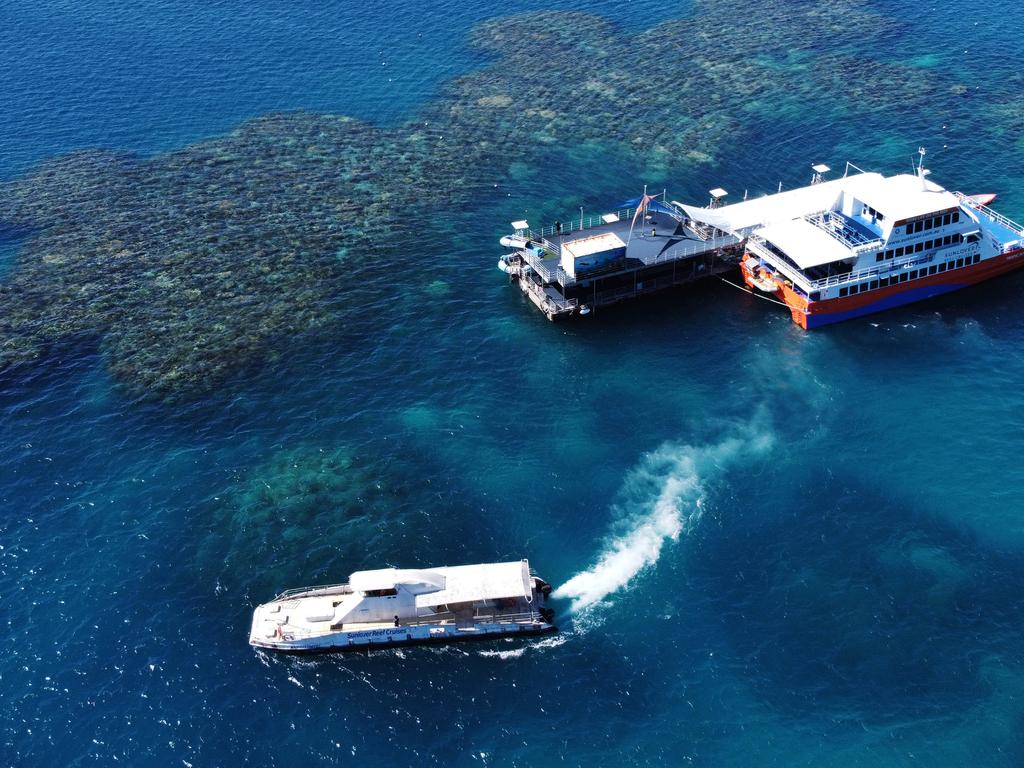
x=438, y=619
x=550, y=271
x=321, y=591
x=842, y=229
x=881, y=270
x=685, y=250
x=588, y=222
x=986, y=211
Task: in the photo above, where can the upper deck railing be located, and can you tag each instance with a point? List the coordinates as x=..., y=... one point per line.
x=588, y=222
x=330, y=589
x=848, y=277
x=839, y=227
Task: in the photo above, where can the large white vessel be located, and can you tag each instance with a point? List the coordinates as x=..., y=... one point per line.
x=863, y=243
x=392, y=606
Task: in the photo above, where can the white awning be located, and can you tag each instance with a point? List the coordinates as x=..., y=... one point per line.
x=804, y=243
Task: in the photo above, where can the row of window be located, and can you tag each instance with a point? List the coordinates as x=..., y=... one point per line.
x=923, y=225
x=913, y=274
x=925, y=245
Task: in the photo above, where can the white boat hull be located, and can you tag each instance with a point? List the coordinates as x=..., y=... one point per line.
x=392, y=607
x=392, y=637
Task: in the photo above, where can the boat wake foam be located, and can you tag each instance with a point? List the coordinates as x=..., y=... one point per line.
x=515, y=653
x=661, y=498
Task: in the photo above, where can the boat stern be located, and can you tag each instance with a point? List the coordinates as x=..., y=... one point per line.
x=266, y=630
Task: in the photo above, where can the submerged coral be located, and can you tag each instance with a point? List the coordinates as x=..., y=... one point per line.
x=192, y=265
x=299, y=512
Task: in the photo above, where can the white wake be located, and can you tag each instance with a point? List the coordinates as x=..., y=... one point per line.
x=660, y=499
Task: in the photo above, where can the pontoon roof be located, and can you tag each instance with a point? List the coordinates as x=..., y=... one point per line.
x=895, y=197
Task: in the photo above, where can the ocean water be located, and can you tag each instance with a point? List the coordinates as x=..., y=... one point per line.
x=771, y=547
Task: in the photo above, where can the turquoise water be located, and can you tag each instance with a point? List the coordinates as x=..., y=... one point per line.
x=773, y=547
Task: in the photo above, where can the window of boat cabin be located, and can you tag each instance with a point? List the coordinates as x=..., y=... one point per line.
x=872, y=285
x=843, y=291
x=883, y=282
x=918, y=247
x=380, y=592
x=947, y=219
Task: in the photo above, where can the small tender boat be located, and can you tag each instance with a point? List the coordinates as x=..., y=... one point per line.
x=391, y=607
x=984, y=199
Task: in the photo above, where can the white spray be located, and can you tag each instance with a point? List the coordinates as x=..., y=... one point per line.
x=661, y=499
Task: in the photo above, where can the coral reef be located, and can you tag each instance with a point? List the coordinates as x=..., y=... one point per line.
x=193, y=265
x=301, y=511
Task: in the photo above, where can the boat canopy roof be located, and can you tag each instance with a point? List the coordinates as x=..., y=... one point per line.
x=452, y=584
x=805, y=243
x=897, y=198
x=487, y=581
x=905, y=197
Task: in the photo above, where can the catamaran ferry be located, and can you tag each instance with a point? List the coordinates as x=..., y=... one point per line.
x=863, y=243
x=391, y=607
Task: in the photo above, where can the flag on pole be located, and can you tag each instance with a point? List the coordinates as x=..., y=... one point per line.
x=641, y=207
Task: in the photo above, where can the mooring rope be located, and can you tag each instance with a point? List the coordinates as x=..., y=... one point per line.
x=753, y=293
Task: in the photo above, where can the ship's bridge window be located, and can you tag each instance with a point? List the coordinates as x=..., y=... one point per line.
x=380, y=592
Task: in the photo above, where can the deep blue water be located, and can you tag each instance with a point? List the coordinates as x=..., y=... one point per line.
x=794, y=548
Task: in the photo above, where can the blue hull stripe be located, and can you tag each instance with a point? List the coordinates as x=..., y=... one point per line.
x=888, y=302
